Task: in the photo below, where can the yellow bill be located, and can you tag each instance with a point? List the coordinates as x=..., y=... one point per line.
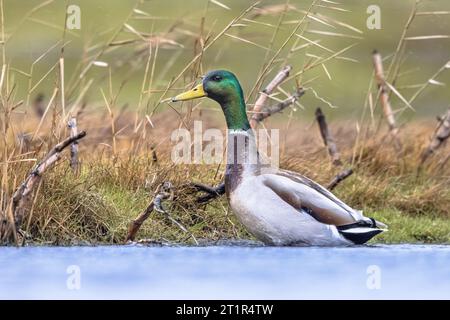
x=195, y=93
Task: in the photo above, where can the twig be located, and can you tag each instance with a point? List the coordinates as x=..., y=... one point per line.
x=339, y=178
x=264, y=95
x=268, y=111
x=22, y=196
x=384, y=96
x=164, y=191
x=72, y=124
x=441, y=134
x=136, y=224
x=327, y=138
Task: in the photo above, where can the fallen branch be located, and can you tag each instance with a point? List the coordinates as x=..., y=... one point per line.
x=339, y=178
x=268, y=111
x=262, y=99
x=22, y=197
x=163, y=192
x=441, y=134
x=327, y=138
x=136, y=224
x=384, y=96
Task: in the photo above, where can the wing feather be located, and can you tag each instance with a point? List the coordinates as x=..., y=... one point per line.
x=306, y=195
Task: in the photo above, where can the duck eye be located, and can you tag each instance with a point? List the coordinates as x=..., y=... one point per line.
x=217, y=78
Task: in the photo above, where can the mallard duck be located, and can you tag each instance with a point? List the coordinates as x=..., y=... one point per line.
x=279, y=207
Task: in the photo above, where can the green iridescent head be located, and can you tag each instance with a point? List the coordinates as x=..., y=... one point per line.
x=223, y=87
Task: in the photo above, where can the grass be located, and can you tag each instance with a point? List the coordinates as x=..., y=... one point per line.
x=98, y=205
x=119, y=176
x=404, y=228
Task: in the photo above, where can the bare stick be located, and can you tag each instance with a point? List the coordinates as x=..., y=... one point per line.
x=339, y=178
x=441, y=134
x=136, y=224
x=22, y=196
x=164, y=191
x=327, y=138
x=384, y=95
x=72, y=124
x=264, y=95
x=268, y=111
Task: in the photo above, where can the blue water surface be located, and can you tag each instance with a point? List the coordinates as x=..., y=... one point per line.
x=225, y=272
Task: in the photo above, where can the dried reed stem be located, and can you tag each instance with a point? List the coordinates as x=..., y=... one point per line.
x=327, y=138
x=61, y=83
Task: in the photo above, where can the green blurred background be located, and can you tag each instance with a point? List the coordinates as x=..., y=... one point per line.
x=30, y=35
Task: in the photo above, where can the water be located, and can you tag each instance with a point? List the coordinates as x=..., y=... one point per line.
x=222, y=272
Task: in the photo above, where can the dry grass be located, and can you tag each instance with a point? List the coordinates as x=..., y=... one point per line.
x=113, y=188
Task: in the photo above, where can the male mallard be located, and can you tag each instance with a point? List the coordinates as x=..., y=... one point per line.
x=278, y=207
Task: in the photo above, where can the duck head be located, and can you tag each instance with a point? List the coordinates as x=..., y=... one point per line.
x=223, y=87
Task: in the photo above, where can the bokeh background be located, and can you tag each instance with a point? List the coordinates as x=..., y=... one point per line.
x=34, y=26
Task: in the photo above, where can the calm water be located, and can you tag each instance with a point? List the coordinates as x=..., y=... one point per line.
x=113, y=272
